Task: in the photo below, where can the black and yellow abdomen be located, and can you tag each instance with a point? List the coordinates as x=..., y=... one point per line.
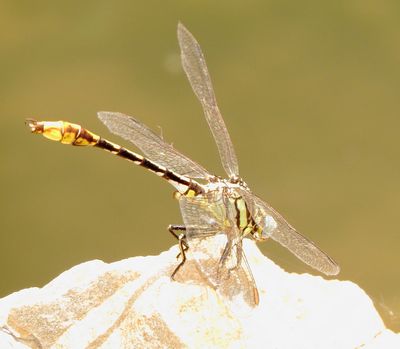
x=64, y=132
x=73, y=134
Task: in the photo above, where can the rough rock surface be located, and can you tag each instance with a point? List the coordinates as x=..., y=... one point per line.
x=134, y=304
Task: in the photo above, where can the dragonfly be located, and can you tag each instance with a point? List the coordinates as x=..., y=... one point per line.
x=218, y=213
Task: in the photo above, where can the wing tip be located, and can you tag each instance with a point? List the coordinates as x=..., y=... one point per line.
x=181, y=27
x=332, y=269
x=335, y=270
x=102, y=114
x=184, y=34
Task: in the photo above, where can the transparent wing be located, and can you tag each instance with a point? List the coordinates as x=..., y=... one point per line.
x=281, y=231
x=216, y=245
x=195, y=67
x=152, y=145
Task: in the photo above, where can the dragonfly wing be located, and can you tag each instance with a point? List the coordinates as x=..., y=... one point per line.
x=195, y=67
x=216, y=246
x=281, y=231
x=151, y=144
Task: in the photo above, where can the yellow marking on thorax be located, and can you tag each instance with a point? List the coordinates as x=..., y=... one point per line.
x=242, y=211
x=244, y=220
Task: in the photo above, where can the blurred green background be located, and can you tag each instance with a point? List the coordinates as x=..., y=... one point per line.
x=309, y=92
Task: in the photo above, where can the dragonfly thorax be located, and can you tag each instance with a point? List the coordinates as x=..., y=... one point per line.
x=236, y=204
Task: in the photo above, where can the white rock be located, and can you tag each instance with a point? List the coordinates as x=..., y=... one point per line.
x=134, y=304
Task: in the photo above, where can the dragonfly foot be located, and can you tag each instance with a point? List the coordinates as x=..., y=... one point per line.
x=183, y=246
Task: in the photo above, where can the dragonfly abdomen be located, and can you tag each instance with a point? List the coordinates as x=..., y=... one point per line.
x=74, y=134
x=64, y=132
x=181, y=182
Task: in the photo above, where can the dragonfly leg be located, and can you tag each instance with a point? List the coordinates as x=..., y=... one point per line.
x=172, y=228
x=183, y=246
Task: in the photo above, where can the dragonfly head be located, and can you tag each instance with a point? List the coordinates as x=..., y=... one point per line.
x=239, y=182
x=235, y=179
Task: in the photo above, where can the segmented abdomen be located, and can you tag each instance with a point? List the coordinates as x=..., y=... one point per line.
x=64, y=132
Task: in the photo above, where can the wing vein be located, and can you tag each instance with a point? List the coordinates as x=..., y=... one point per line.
x=195, y=67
